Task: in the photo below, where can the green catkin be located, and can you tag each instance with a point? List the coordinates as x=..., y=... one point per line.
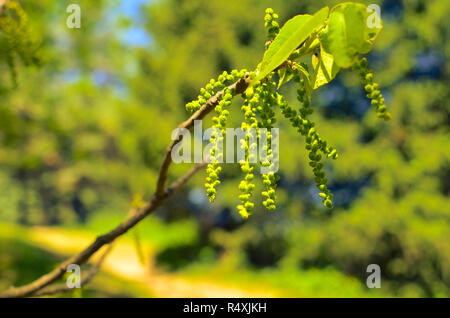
x=219, y=124
x=213, y=87
x=271, y=25
x=249, y=144
x=207, y=92
x=314, y=143
x=371, y=88
x=267, y=101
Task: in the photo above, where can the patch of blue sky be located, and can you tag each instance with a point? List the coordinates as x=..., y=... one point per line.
x=132, y=8
x=134, y=35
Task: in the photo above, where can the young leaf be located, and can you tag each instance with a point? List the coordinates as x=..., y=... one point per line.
x=347, y=33
x=325, y=69
x=285, y=74
x=291, y=35
x=306, y=78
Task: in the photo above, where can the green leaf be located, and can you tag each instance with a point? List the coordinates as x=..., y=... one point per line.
x=285, y=75
x=291, y=35
x=325, y=69
x=347, y=34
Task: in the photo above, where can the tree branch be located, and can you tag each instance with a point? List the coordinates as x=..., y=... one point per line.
x=160, y=195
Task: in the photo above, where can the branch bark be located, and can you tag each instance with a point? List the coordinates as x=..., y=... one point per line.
x=138, y=214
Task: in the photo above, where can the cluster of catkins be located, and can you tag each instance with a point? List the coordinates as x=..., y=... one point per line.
x=258, y=113
x=249, y=144
x=219, y=122
x=371, y=88
x=19, y=42
x=260, y=100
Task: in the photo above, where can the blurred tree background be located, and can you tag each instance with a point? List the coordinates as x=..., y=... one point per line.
x=85, y=115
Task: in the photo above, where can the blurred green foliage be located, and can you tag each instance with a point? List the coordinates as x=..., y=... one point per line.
x=17, y=41
x=81, y=135
x=22, y=261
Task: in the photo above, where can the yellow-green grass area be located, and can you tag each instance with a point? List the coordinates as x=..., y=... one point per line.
x=27, y=253
x=23, y=259
x=289, y=283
